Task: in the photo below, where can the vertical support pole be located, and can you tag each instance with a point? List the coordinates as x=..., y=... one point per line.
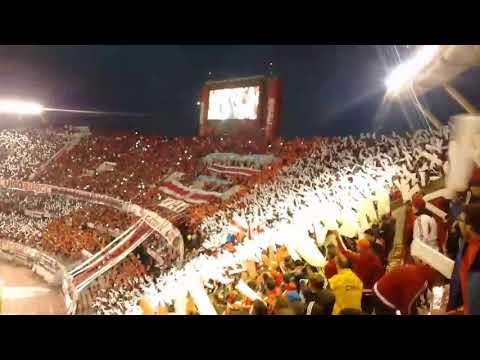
x=204, y=112
x=467, y=105
x=430, y=116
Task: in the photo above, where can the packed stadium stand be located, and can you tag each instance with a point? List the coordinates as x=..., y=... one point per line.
x=257, y=223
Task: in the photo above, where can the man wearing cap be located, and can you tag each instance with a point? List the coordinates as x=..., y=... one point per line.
x=367, y=266
x=465, y=282
x=401, y=287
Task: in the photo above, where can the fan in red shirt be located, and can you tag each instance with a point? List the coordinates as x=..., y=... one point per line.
x=367, y=266
x=277, y=276
x=273, y=293
x=330, y=268
x=401, y=287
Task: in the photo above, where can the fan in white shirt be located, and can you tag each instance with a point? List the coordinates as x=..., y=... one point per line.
x=425, y=230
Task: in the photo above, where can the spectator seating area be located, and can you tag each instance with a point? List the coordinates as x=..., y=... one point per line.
x=269, y=248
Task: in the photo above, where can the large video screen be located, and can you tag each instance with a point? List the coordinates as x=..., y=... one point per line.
x=237, y=103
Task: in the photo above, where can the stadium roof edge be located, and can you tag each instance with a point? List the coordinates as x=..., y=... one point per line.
x=449, y=62
x=240, y=79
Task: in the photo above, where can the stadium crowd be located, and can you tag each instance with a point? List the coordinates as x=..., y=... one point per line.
x=23, y=151
x=23, y=229
x=25, y=217
x=141, y=162
x=391, y=161
x=333, y=172
x=58, y=225
x=316, y=191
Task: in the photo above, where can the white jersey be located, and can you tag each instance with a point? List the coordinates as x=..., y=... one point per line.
x=425, y=230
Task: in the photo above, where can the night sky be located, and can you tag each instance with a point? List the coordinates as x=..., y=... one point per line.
x=327, y=90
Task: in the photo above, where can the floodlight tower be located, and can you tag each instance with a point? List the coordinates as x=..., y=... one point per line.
x=433, y=66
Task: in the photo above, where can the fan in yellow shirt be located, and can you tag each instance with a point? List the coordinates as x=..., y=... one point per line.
x=346, y=286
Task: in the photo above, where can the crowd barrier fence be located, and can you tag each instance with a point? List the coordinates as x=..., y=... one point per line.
x=47, y=267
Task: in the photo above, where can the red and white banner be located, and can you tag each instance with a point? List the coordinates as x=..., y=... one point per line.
x=187, y=194
x=25, y=186
x=177, y=206
x=84, y=275
x=233, y=170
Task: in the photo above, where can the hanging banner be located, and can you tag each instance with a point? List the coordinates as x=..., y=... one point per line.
x=25, y=186
x=103, y=251
x=187, y=194
x=177, y=206
x=233, y=170
x=103, y=263
x=255, y=161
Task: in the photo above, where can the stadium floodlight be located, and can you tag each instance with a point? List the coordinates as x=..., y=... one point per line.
x=406, y=72
x=19, y=107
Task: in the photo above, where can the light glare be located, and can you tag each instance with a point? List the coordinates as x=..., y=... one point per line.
x=20, y=107
x=407, y=71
